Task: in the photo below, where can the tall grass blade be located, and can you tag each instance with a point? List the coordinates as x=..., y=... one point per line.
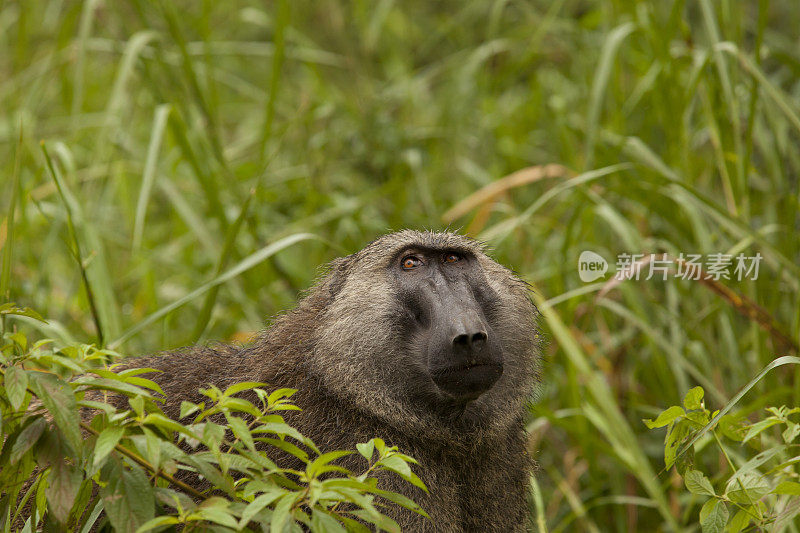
x=501, y=230
x=606, y=414
x=190, y=75
x=208, y=183
x=7, y=226
x=643, y=154
x=227, y=249
x=84, y=30
x=727, y=90
x=493, y=190
x=281, y=21
x=780, y=361
x=777, y=96
x=204, y=236
x=149, y=174
x=538, y=502
x=245, y=264
x=608, y=55
x=70, y=205
x=117, y=96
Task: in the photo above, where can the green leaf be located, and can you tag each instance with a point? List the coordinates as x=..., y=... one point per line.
x=128, y=372
x=280, y=516
x=384, y=523
x=143, y=382
x=258, y=459
x=317, y=466
x=787, y=487
x=694, y=399
x=52, y=360
x=215, y=509
x=62, y=487
x=677, y=435
x=396, y=464
x=127, y=496
x=259, y=503
x=106, y=442
x=161, y=421
x=41, y=495
x=211, y=473
x=758, y=427
x=20, y=339
x=99, y=406
x=366, y=449
x=213, y=434
x=699, y=417
x=59, y=400
x=791, y=432
x=685, y=462
x=149, y=174
x=279, y=394
x=603, y=72
x=114, y=385
x=740, y=520
x=732, y=427
x=241, y=431
x=322, y=521
x=401, y=500
x=153, y=447
x=16, y=384
x=713, y=516
x=399, y=466
x=665, y=418
x=698, y=483
x=137, y=404
x=12, y=309
x=336, y=483
x=747, y=488
x=354, y=526
x=288, y=447
x=282, y=429
x=158, y=522
x=29, y=436
x=240, y=387
x=780, y=361
x=90, y=522
x=188, y=408
x=239, y=404
x=750, y=466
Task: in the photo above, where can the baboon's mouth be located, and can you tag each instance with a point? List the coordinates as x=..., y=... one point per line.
x=468, y=381
x=474, y=366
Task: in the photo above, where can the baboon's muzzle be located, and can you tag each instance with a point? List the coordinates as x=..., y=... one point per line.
x=464, y=357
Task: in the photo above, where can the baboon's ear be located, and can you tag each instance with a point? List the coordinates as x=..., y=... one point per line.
x=337, y=274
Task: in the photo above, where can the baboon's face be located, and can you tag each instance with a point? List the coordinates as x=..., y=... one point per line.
x=423, y=323
x=448, y=307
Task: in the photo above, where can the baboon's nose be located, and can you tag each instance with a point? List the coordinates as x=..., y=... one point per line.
x=470, y=341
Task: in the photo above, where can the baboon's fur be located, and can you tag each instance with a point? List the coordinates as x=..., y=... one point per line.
x=340, y=348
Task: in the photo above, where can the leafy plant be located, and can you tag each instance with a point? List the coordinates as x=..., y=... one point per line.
x=71, y=461
x=620, y=127
x=759, y=487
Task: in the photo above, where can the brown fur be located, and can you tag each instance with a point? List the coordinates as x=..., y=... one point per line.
x=339, y=348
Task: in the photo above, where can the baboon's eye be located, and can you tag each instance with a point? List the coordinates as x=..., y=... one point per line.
x=451, y=257
x=411, y=261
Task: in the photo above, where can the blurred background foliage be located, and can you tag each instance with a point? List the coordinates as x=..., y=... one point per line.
x=189, y=136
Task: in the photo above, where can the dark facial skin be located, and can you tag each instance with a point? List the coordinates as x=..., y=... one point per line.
x=449, y=305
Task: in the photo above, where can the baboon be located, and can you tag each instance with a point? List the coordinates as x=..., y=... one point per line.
x=420, y=339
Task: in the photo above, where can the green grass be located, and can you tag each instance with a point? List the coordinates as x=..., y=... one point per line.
x=214, y=154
